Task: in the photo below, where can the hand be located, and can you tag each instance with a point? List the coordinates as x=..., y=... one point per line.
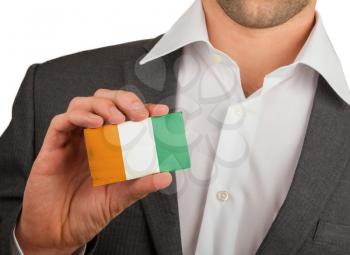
x=62, y=211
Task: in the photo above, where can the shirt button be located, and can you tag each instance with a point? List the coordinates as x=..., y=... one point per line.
x=217, y=59
x=238, y=109
x=222, y=196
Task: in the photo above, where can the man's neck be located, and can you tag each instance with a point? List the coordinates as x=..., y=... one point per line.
x=257, y=51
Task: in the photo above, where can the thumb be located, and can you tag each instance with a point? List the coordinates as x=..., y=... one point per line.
x=129, y=192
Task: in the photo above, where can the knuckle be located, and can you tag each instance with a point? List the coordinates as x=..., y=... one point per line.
x=117, y=95
x=106, y=102
x=123, y=94
x=101, y=103
x=56, y=119
x=99, y=92
x=75, y=102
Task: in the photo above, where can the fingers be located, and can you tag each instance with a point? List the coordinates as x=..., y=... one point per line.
x=63, y=123
x=69, y=121
x=115, y=106
x=157, y=109
x=101, y=106
x=107, y=106
x=127, y=102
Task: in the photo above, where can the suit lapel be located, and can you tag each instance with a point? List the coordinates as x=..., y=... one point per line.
x=156, y=82
x=324, y=156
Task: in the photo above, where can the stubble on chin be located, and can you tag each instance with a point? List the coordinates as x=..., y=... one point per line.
x=262, y=13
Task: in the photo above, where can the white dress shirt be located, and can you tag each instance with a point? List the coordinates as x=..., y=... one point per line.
x=244, y=150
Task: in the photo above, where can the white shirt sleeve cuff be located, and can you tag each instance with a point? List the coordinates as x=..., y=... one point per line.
x=16, y=249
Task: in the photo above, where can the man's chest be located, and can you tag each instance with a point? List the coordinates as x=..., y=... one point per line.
x=244, y=151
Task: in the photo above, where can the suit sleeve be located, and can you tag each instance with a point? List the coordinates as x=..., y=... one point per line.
x=16, y=158
x=17, y=154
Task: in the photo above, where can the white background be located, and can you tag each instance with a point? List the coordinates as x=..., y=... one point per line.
x=38, y=30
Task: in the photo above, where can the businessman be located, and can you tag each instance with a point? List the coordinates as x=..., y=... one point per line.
x=267, y=115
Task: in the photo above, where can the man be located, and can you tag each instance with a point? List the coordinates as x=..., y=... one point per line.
x=267, y=115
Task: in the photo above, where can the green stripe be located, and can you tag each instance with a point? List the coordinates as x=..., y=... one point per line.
x=171, y=144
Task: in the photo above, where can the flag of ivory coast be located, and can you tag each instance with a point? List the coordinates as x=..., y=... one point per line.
x=135, y=149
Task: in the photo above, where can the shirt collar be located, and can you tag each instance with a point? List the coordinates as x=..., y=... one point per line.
x=191, y=27
x=317, y=53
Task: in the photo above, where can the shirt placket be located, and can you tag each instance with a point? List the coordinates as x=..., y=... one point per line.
x=226, y=194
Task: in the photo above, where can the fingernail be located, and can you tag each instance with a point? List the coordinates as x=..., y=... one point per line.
x=162, y=108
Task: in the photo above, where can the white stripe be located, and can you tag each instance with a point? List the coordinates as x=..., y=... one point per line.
x=138, y=148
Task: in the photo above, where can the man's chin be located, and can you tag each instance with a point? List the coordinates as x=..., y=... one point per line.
x=262, y=14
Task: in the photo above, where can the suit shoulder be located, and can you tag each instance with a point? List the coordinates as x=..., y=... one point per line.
x=103, y=57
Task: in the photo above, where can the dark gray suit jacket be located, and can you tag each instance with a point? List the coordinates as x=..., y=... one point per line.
x=315, y=218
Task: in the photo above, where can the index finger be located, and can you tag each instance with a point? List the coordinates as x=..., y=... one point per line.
x=126, y=101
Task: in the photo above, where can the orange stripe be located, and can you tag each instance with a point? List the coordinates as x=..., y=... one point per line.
x=104, y=155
